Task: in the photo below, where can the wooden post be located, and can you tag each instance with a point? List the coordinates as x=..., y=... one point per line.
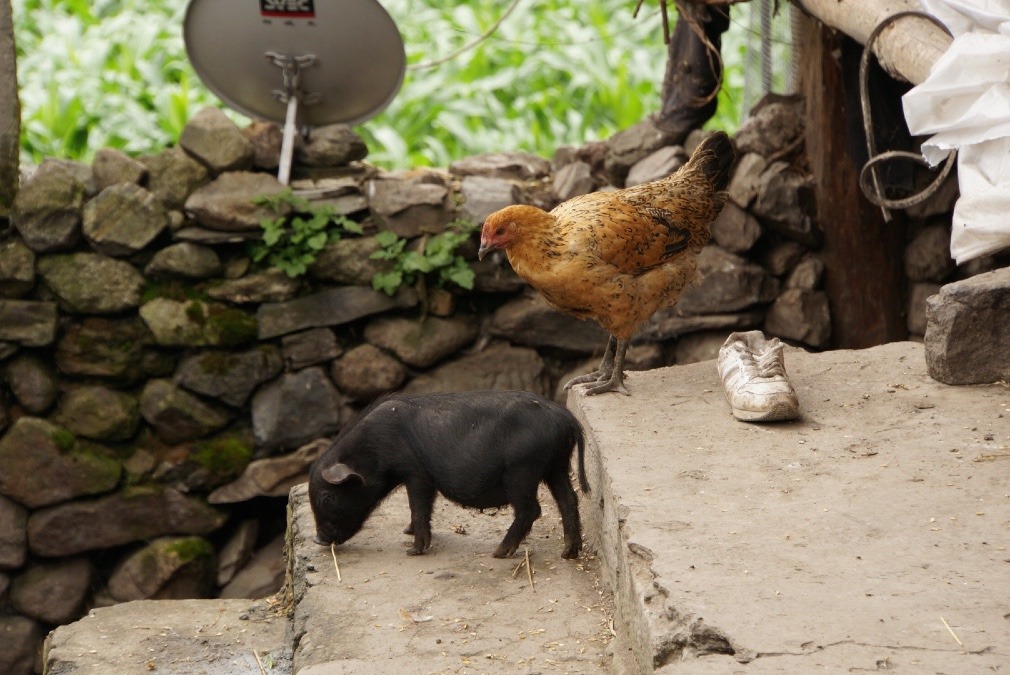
x=863, y=256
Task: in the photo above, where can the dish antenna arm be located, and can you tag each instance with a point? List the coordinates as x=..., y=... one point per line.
x=292, y=95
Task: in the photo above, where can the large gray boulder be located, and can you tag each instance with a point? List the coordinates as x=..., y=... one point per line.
x=629, y=146
x=309, y=347
x=785, y=203
x=967, y=336
x=572, y=180
x=775, y=125
x=735, y=229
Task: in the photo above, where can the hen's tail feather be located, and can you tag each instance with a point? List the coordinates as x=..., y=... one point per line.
x=714, y=158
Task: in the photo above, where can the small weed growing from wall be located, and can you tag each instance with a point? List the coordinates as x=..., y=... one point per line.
x=298, y=232
x=434, y=261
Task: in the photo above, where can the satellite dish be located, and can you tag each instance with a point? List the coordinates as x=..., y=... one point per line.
x=310, y=62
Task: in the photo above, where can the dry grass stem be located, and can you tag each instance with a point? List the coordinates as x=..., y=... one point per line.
x=952, y=634
x=333, y=552
x=525, y=562
x=259, y=663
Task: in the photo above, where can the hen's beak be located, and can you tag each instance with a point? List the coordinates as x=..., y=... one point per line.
x=482, y=251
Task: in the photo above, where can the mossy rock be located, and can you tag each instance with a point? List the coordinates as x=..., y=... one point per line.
x=224, y=457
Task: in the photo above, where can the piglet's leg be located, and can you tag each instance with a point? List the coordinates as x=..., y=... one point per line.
x=527, y=509
x=421, y=495
x=561, y=488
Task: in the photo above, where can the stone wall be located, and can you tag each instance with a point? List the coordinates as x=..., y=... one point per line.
x=161, y=393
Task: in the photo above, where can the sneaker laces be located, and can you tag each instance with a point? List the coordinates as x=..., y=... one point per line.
x=767, y=364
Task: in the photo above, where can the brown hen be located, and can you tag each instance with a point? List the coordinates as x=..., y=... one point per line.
x=617, y=257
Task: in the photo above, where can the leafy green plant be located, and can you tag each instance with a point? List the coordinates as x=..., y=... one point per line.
x=435, y=260
x=298, y=232
x=114, y=73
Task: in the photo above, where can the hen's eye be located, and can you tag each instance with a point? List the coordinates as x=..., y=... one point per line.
x=500, y=230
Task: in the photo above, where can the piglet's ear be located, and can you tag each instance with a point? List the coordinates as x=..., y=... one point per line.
x=340, y=473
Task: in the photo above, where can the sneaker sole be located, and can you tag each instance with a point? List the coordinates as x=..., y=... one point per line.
x=778, y=413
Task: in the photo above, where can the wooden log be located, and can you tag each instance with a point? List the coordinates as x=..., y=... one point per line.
x=862, y=255
x=907, y=49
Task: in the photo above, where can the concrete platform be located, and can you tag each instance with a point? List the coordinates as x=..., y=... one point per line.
x=871, y=534
x=173, y=637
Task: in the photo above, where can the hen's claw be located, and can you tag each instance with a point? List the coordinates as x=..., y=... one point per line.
x=615, y=383
x=602, y=374
x=595, y=376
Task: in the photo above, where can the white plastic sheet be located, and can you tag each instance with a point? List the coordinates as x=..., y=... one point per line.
x=965, y=106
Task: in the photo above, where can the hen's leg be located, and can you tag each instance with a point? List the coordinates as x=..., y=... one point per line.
x=616, y=380
x=603, y=372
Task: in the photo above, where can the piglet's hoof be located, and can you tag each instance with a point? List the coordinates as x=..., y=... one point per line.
x=503, y=552
x=570, y=553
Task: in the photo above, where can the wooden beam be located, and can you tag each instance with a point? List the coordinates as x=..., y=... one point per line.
x=863, y=256
x=907, y=49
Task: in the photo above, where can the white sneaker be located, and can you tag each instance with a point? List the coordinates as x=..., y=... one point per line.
x=753, y=372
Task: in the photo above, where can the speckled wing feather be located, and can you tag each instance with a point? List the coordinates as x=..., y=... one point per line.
x=639, y=228
x=633, y=238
